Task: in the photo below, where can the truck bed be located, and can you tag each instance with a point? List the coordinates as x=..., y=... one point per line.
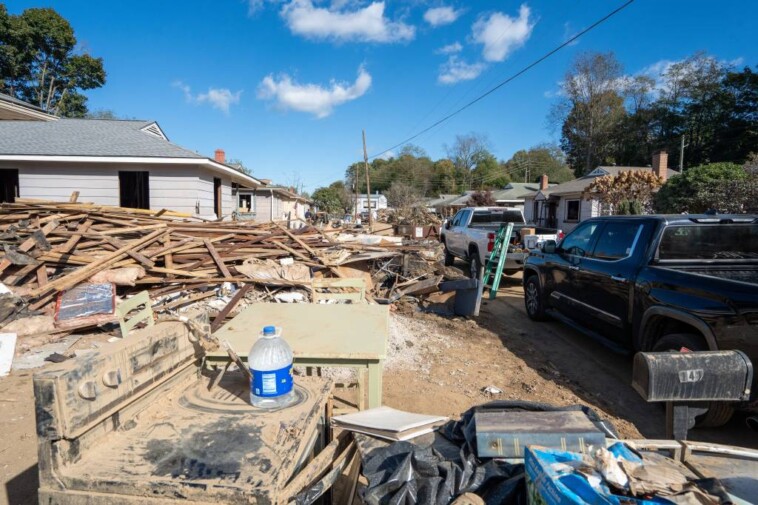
x=740, y=273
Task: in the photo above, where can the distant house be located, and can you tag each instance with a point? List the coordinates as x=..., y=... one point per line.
x=372, y=202
x=562, y=206
x=271, y=203
x=111, y=162
x=513, y=195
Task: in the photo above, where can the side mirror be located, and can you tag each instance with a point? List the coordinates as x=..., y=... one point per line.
x=448, y=224
x=549, y=247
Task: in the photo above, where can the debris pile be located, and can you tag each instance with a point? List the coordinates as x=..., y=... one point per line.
x=181, y=261
x=417, y=216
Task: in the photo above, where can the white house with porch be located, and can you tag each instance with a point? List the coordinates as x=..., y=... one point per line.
x=562, y=206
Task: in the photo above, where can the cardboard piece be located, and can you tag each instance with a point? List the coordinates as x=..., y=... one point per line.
x=389, y=423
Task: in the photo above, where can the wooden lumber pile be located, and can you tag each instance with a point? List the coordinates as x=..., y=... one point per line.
x=183, y=262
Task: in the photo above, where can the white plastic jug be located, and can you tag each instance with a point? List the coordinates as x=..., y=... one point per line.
x=270, y=362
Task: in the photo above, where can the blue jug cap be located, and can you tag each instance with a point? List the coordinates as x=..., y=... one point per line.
x=269, y=330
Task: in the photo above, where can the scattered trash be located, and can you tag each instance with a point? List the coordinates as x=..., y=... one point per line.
x=492, y=390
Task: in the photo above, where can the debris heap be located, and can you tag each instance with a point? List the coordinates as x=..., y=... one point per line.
x=52, y=247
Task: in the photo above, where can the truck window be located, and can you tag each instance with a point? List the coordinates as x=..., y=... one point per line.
x=617, y=241
x=579, y=241
x=457, y=218
x=709, y=242
x=497, y=216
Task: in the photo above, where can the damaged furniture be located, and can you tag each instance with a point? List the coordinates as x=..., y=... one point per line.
x=126, y=320
x=320, y=335
x=136, y=423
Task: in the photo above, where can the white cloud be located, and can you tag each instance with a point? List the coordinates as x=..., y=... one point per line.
x=440, y=16
x=501, y=34
x=363, y=25
x=219, y=98
x=456, y=70
x=453, y=48
x=312, y=98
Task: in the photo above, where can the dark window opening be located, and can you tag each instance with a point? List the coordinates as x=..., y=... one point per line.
x=217, y=196
x=8, y=185
x=572, y=210
x=134, y=189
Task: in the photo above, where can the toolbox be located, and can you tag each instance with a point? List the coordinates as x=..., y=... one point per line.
x=141, y=422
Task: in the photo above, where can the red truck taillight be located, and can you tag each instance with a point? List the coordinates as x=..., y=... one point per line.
x=490, y=242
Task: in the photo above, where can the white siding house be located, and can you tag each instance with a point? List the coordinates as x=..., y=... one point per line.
x=376, y=200
x=113, y=162
x=563, y=207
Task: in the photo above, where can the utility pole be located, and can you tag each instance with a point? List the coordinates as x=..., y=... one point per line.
x=681, y=155
x=368, y=186
x=355, y=192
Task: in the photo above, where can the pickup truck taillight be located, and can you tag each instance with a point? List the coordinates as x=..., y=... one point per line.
x=560, y=235
x=490, y=242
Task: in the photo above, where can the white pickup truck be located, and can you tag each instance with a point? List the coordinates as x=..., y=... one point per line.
x=470, y=235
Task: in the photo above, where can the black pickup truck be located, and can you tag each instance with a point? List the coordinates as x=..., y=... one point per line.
x=655, y=283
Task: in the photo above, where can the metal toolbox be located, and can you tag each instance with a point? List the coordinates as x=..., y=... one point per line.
x=682, y=376
x=139, y=422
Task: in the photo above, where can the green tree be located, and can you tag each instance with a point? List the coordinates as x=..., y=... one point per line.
x=725, y=187
x=590, y=111
x=527, y=165
x=488, y=173
x=331, y=199
x=39, y=64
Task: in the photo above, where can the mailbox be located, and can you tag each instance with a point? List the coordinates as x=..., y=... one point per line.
x=692, y=376
x=685, y=380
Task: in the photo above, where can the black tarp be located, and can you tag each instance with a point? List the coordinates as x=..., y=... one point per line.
x=404, y=473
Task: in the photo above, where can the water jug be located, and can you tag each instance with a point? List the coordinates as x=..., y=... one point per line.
x=270, y=362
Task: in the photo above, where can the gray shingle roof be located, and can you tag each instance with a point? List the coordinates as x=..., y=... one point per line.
x=86, y=137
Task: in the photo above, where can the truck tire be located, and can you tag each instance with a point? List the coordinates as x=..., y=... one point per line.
x=533, y=302
x=449, y=258
x=719, y=413
x=475, y=264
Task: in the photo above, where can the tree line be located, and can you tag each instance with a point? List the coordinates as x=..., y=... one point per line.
x=606, y=117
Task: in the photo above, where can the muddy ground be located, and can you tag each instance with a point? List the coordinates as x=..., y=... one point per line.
x=439, y=365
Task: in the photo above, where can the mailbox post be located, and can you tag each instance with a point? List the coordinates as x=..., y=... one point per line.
x=684, y=380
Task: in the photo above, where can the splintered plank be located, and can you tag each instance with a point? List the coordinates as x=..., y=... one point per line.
x=217, y=259
x=134, y=254
x=71, y=243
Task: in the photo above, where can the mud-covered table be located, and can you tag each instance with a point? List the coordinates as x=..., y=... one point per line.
x=328, y=335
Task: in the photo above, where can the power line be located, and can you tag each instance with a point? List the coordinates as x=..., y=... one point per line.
x=509, y=79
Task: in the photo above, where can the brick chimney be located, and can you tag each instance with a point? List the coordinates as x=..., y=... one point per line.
x=661, y=164
x=543, y=182
x=220, y=156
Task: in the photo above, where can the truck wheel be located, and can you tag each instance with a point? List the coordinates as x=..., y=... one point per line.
x=475, y=265
x=535, y=307
x=449, y=258
x=719, y=413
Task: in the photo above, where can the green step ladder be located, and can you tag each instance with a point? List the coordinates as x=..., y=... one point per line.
x=496, y=261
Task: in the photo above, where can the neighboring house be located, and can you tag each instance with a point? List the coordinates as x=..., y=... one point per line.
x=441, y=205
x=512, y=195
x=113, y=162
x=377, y=202
x=271, y=203
x=515, y=193
x=563, y=207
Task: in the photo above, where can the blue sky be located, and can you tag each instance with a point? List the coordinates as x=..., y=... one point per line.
x=287, y=85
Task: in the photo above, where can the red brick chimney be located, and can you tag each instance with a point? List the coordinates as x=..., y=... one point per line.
x=543, y=182
x=220, y=156
x=661, y=164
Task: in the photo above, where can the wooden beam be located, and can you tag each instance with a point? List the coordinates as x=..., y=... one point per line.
x=221, y=316
x=29, y=243
x=75, y=238
x=217, y=259
x=74, y=197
